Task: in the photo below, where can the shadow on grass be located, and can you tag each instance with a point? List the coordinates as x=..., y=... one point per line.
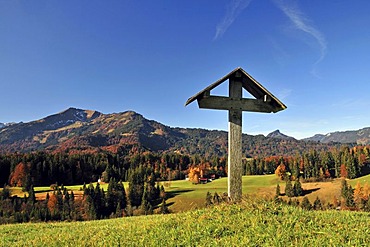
x=43, y=191
x=172, y=194
x=306, y=192
x=169, y=204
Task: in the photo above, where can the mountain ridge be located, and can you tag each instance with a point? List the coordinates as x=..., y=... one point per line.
x=361, y=137
x=86, y=130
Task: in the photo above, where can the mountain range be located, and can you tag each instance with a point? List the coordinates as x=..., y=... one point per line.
x=361, y=136
x=77, y=129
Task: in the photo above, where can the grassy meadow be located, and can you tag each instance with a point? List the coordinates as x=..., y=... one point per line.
x=184, y=195
x=255, y=222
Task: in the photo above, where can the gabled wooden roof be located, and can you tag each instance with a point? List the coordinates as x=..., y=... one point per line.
x=249, y=84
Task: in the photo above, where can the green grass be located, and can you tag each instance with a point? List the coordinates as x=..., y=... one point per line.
x=252, y=223
x=187, y=196
x=362, y=180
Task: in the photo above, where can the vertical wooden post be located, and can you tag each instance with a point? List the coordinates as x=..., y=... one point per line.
x=235, y=168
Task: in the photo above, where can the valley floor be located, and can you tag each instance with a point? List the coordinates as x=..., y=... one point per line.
x=185, y=196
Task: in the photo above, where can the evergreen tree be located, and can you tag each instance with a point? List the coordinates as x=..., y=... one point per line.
x=5, y=193
x=347, y=194
x=31, y=196
x=297, y=188
x=349, y=199
x=317, y=205
x=66, y=215
x=305, y=204
x=164, y=208
x=162, y=192
x=98, y=200
x=74, y=213
x=367, y=206
x=111, y=197
x=136, y=186
x=84, y=188
x=89, y=211
x=59, y=197
x=216, y=198
x=121, y=195
x=208, y=199
x=344, y=188
x=118, y=212
x=145, y=206
x=277, y=192
x=289, y=188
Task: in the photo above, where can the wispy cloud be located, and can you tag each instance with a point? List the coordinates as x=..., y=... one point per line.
x=351, y=104
x=233, y=10
x=301, y=22
x=284, y=93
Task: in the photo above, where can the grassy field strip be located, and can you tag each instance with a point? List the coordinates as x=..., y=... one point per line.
x=191, y=196
x=187, y=196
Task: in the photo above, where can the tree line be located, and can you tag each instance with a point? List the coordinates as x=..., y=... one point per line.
x=143, y=196
x=313, y=165
x=354, y=199
x=45, y=168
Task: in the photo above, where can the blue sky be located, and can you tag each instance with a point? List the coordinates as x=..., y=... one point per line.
x=151, y=56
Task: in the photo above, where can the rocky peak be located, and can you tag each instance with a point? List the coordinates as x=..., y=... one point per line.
x=279, y=135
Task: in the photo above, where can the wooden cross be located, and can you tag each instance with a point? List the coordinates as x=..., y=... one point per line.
x=264, y=101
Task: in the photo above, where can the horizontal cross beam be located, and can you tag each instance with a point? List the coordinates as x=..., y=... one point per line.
x=242, y=104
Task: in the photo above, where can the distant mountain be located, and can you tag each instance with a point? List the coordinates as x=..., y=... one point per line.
x=316, y=138
x=277, y=134
x=76, y=130
x=33, y=131
x=2, y=125
x=361, y=136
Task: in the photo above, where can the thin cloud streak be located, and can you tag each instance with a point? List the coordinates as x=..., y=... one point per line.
x=302, y=23
x=233, y=10
x=285, y=93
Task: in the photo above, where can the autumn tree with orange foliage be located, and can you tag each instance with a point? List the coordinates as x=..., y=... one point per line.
x=358, y=196
x=199, y=171
x=281, y=171
x=20, y=177
x=52, y=203
x=343, y=171
x=194, y=174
